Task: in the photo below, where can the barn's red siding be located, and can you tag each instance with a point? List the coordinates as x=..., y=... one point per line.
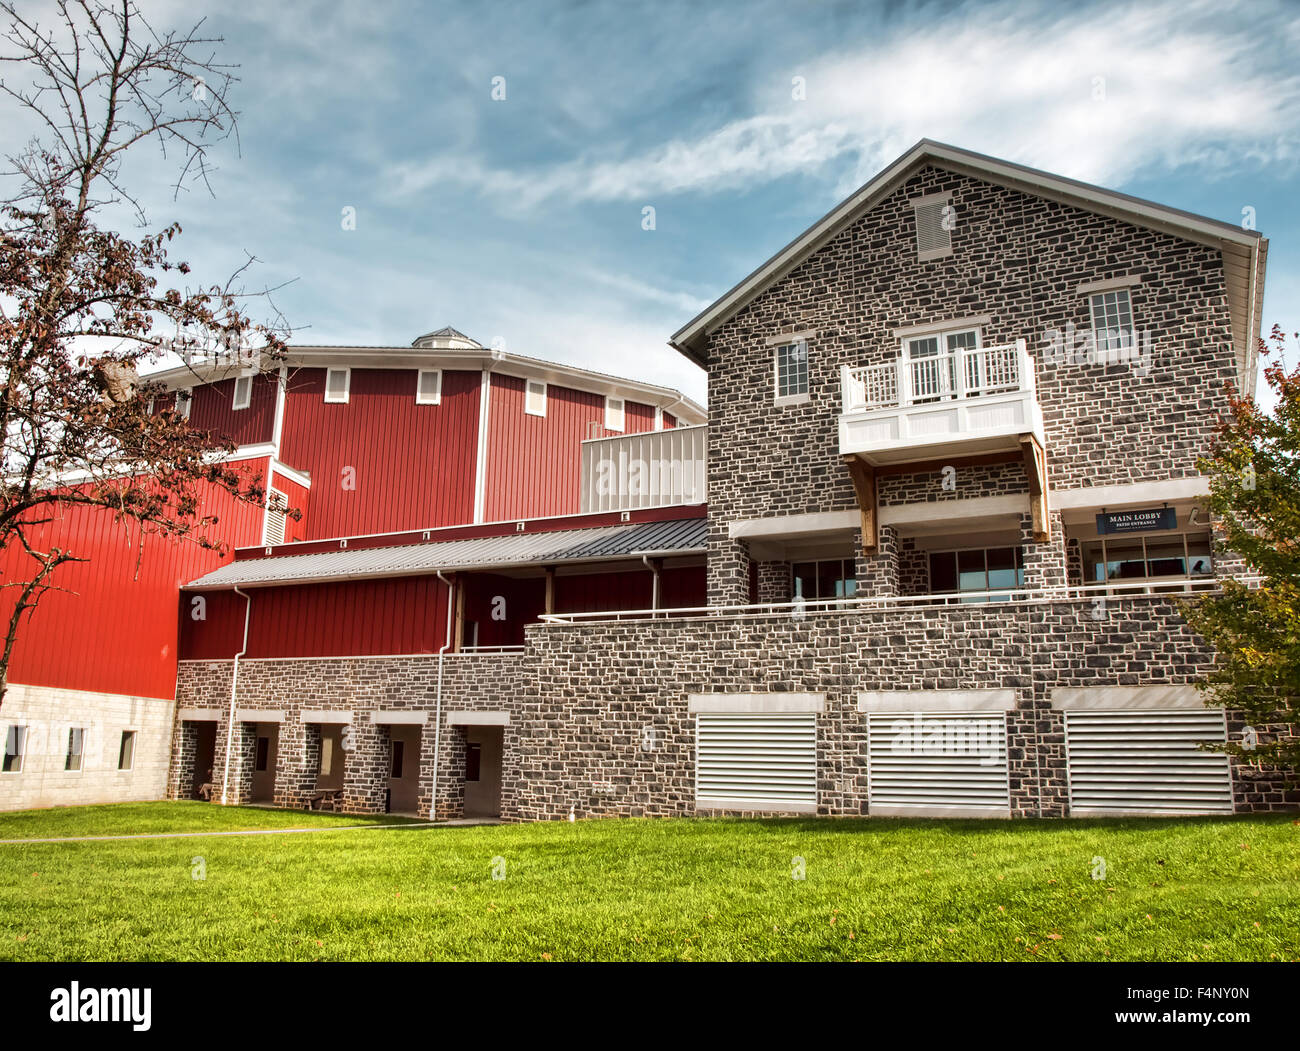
x=535, y=462
x=109, y=629
x=409, y=466
x=341, y=619
x=210, y=410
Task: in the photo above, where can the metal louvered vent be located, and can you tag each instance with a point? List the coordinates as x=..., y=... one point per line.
x=756, y=762
x=932, y=238
x=937, y=762
x=276, y=506
x=1147, y=762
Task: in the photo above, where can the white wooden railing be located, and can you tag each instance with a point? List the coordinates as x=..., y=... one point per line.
x=974, y=373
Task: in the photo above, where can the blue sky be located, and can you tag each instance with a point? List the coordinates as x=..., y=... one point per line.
x=520, y=220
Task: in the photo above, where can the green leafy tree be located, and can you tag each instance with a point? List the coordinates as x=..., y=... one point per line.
x=1254, y=476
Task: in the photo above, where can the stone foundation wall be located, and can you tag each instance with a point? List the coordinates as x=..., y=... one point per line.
x=598, y=714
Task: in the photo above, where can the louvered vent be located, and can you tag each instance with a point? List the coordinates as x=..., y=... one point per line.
x=756, y=762
x=936, y=761
x=276, y=506
x=932, y=238
x=1147, y=762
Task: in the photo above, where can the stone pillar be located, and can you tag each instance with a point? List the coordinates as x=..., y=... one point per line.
x=728, y=567
x=180, y=776
x=877, y=574
x=774, y=582
x=297, y=763
x=1227, y=564
x=451, y=772
x=1045, y=561
x=239, y=787
x=365, y=767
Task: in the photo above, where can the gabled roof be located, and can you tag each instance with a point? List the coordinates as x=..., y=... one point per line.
x=676, y=537
x=1244, y=251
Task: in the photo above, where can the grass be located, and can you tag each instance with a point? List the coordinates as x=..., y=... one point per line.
x=1207, y=889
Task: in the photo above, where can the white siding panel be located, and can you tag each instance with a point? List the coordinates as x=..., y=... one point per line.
x=1147, y=762
x=760, y=762
x=937, y=762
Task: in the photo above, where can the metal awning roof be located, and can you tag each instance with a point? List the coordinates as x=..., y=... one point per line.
x=678, y=537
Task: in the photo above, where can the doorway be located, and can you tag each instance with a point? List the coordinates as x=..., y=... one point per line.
x=265, y=751
x=483, y=748
x=205, y=752
x=403, y=769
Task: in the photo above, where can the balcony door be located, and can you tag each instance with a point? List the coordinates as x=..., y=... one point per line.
x=941, y=367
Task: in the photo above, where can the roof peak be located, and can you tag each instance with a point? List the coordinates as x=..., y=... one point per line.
x=446, y=338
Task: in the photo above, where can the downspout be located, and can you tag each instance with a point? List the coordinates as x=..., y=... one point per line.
x=654, y=590
x=437, y=707
x=234, y=683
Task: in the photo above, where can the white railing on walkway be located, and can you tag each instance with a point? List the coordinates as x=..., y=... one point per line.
x=974, y=373
x=1161, y=587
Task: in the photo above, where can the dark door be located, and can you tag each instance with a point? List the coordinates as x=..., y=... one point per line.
x=404, y=769
x=264, y=758
x=205, y=751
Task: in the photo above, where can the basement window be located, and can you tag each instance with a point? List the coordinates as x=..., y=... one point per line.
x=934, y=224
x=15, y=749
x=76, y=748
x=243, y=392
x=337, y=384
x=126, y=751
x=535, y=398
x=615, y=414
x=791, y=373
x=428, y=390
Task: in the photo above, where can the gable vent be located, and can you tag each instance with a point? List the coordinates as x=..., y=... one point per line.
x=933, y=240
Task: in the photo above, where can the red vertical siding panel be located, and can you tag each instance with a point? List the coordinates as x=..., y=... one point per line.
x=109, y=628
x=212, y=410
x=638, y=418
x=413, y=464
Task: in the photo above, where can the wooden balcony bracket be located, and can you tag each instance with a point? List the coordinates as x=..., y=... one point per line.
x=863, y=476
x=1036, y=471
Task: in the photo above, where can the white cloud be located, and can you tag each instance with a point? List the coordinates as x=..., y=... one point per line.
x=1179, y=85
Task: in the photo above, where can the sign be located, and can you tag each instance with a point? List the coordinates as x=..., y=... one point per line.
x=1143, y=521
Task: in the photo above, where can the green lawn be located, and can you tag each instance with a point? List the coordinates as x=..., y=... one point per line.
x=1223, y=889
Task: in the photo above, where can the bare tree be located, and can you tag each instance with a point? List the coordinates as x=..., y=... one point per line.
x=85, y=427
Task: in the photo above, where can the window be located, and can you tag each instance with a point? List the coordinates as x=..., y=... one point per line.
x=262, y=758
x=535, y=398
x=1112, y=321
x=337, y=384
x=473, y=760
x=184, y=400
x=126, y=753
x=277, y=506
x=826, y=579
x=976, y=569
x=15, y=748
x=243, y=392
x=76, y=746
x=1143, y=557
x=614, y=414
x=399, y=750
x=428, y=388
x=792, y=373
x=934, y=224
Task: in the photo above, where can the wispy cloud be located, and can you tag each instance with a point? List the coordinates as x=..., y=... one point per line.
x=1101, y=95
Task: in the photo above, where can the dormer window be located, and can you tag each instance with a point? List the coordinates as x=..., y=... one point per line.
x=615, y=415
x=337, y=384
x=243, y=392
x=535, y=398
x=184, y=400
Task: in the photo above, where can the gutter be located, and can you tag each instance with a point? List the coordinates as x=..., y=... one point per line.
x=234, y=683
x=437, y=708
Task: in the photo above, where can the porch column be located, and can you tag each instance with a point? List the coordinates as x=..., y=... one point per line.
x=728, y=567
x=297, y=762
x=1045, y=560
x=185, y=745
x=877, y=573
x=774, y=582
x=243, y=749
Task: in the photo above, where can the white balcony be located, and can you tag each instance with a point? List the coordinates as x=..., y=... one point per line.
x=962, y=402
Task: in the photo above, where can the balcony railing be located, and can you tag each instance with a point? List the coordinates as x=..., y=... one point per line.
x=1157, y=587
x=974, y=373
